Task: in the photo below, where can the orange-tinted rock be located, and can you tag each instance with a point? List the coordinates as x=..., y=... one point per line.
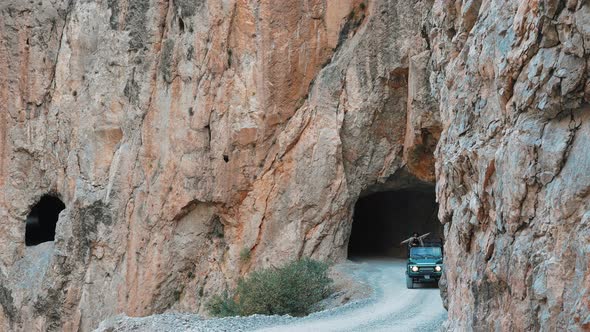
x=180, y=134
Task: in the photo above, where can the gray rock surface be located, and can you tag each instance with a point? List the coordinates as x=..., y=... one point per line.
x=513, y=169
x=180, y=134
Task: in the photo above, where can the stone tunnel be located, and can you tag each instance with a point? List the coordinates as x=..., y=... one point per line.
x=383, y=219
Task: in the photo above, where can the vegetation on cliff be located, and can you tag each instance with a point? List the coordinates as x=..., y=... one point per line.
x=294, y=289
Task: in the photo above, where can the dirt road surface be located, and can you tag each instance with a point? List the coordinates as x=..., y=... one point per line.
x=393, y=307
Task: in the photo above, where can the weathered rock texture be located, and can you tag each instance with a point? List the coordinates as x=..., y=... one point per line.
x=513, y=162
x=195, y=140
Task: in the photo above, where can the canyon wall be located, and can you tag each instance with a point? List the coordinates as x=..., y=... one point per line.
x=513, y=162
x=194, y=141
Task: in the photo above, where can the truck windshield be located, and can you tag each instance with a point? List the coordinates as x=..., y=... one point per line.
x=425, y=252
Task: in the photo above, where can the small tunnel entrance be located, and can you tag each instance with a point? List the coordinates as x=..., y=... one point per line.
x=41, y=222
x=383, y=219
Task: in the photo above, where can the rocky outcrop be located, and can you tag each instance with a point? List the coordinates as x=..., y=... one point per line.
x=512, y=164
x=193, y=141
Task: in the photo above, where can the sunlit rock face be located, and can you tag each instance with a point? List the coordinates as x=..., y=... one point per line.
x=513, y=165
x=180, y=134
x=194, y=141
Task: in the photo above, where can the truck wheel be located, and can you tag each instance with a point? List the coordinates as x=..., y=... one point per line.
x=409, y=282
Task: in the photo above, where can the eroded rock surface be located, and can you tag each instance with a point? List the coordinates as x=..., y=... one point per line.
x=513, y=163
x=194, y=141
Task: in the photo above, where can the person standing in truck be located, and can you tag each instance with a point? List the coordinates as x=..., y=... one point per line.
x=415, y=240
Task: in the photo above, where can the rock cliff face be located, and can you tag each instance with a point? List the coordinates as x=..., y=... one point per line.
x=513, y=166
x=193, y=141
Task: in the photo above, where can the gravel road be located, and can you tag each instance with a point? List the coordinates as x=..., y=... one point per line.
x=392, y=307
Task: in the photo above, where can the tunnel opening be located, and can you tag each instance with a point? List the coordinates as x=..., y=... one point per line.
x=42, y=220
x=384, y=219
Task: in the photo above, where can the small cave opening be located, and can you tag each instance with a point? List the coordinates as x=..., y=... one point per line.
x=42, y=220
x=384, y=219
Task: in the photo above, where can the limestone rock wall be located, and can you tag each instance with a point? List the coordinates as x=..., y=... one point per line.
x=194, y=141
x=513, y=166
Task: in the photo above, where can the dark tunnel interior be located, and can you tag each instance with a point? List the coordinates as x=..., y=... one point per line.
x=382, y=220
x=41, y=222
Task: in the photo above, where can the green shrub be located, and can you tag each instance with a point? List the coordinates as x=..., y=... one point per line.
x=245, y=255
x=294, y=289
x=223, y=306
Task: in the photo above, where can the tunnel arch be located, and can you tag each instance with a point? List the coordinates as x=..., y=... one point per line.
x=42, y=220
x=387, y=215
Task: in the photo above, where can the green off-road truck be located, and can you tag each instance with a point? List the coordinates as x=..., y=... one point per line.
x=425, y=264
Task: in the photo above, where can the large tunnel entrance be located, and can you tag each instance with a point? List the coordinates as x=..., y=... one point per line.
x=383, y=219
x=42, y=220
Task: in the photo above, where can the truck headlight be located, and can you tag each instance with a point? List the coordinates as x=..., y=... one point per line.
x=414, y=268
x=437, y=268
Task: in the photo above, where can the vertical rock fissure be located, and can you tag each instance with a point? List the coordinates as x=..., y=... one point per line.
x=51, y=86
